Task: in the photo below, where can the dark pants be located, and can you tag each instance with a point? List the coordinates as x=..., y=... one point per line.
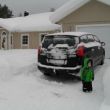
x=87, y=86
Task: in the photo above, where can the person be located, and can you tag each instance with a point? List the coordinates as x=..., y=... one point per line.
x=87, y=75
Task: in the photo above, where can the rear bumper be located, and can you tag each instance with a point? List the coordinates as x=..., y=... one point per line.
x=54, y=69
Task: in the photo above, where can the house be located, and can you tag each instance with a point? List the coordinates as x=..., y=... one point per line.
x=87, y=16
x=25, y=32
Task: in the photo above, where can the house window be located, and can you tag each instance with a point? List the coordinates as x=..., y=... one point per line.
x=42, y=35
x=25, y=40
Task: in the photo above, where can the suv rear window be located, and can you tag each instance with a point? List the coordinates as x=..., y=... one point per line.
x=59, y=39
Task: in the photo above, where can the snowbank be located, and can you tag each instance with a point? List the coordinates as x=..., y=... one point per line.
x=106, y=103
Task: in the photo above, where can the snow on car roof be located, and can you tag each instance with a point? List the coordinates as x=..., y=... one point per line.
x=35, y=22
x=70, y=33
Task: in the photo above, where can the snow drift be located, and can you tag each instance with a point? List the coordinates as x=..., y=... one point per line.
x=106, y=81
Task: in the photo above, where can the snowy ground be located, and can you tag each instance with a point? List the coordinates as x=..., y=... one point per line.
x=24, y=87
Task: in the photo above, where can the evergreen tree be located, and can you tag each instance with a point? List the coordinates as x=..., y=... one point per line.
x=5, y=12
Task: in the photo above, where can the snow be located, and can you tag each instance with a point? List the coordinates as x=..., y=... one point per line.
x=24, y=87
x=71, y=33
x=70, y=7
x=105, y=1
x=66, y=9
x=106, y=81
x=62, y=46
x=90, y=44
x=35, y=22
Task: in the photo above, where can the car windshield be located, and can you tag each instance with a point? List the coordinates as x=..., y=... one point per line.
x=59, y=39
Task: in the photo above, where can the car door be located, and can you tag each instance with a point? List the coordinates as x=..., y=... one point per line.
x=93, y=49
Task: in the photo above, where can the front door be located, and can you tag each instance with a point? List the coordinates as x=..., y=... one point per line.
x=4, y=40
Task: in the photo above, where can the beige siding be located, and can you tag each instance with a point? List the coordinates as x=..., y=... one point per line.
x=34, y=40
x=16, y=40
x=91, y=13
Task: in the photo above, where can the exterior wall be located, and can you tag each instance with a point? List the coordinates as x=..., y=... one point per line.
x=33, y=40
x=93, y=12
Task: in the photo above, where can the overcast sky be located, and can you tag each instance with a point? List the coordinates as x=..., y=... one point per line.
x=32, y=6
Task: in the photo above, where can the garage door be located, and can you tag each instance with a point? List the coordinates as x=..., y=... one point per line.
x=102, y=31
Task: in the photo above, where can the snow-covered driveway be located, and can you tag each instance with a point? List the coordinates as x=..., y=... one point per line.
x=24, y=87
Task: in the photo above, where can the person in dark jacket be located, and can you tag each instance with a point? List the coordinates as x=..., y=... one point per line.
x=87, y=75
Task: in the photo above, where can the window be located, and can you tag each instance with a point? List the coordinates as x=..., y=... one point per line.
x=96, y=39
x=90, y=38
x=4, y=34
x=42, y=36
x=59, y=39
x=84, y=39
x=25, y=40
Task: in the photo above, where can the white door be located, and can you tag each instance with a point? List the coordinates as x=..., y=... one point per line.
x=102, y=31
x=4, y=40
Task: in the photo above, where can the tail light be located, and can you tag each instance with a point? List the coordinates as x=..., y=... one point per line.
x=39, y=50
x=80, y=51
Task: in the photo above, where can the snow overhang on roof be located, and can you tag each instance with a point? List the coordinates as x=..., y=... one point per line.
x=31, y=23
x=70, y=7
x=107, y=2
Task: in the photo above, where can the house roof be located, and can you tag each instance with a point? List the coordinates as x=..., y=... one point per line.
x=70, y=7
x=35, y=22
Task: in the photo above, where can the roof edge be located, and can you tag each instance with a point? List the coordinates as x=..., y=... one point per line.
x=60, y=12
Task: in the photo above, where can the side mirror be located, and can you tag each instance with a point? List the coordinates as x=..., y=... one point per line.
x=103, y=43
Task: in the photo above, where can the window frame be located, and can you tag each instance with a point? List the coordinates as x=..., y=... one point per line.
x=40, y=35
x=22, y=35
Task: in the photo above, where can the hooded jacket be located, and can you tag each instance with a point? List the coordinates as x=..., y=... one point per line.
x=86, y=73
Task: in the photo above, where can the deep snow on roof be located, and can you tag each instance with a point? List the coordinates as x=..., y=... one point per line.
x=35, y=22
x=70, y=33
x=70, y=7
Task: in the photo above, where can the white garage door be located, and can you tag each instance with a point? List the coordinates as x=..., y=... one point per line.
x=102, y=31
